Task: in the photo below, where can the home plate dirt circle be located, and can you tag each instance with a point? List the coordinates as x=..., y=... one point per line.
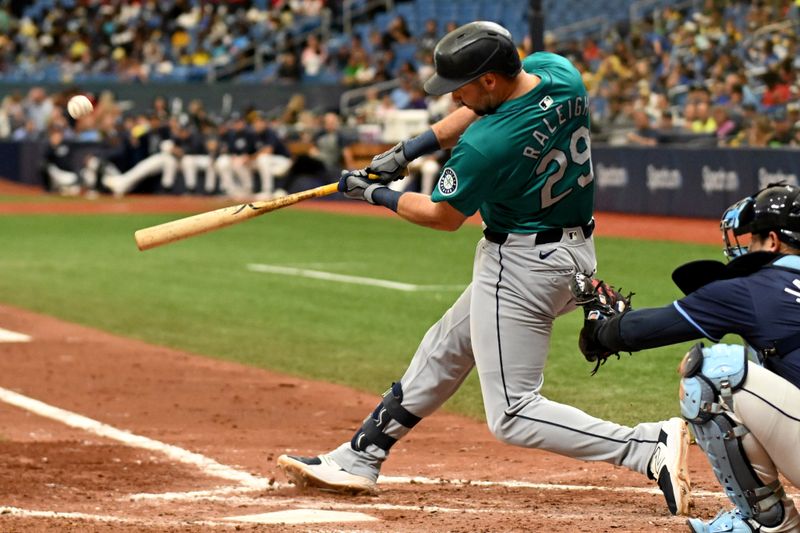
x=105, y=434
x=101, y=433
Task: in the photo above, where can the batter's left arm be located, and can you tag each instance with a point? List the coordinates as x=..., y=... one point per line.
x=421, y=210
x=414, y=207
x=449, y=129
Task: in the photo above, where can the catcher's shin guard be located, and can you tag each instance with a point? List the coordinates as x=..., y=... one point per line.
x=724, y=522
x=373, y=430
x=710, y=376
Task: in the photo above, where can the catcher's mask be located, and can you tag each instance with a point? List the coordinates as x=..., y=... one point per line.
x=774, y=208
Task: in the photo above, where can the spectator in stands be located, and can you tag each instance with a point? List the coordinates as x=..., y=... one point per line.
x=417, y=98
x=619, y=120
x=778, y=91
x=590, y=53
x=702, y=121
x=401, y=95
x=86, y=129
x=295, y=106
x=289, y=69
x=782, y=129
x=666, y=127
x=617, y=64
x=429, y=37
x=331, y=147
x=357, y=71
x=727, y=127
x=160, y=108
x=644, y=134
x=793, y=110
x=26, y=131
x=313, y=57
x=386, y=107
x=367, y=111
x=757, y=135
x=12, y=114
x=397, y=32
x=38, y=108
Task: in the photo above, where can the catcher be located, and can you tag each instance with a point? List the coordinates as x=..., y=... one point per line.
x=742, y=402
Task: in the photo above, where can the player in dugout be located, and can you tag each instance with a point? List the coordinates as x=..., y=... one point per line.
x=522, y=156
x=742, y=402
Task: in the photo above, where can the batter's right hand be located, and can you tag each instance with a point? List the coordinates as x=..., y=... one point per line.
x=357, y=185
x=390, y=165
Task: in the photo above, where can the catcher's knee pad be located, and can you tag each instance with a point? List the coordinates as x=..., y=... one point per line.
x=710, y=376
x=372, y=430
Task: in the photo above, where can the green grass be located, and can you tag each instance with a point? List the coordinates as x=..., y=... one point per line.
x=197, y=295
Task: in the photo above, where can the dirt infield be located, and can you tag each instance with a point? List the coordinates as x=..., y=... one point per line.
x=101, y=433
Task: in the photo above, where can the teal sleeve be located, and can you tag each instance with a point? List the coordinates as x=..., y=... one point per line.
x=466, y=181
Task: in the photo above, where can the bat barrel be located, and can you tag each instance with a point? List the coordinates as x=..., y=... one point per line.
x=183, y=228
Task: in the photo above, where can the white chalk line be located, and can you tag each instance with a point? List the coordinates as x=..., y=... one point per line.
x=233, y=494
x=356, y=280
x=250, y=483
x=199, y=495
x=6, y=335
x=207, y=465
x=28, y=513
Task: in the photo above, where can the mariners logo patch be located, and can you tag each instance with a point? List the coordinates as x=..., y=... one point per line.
x=448, y=182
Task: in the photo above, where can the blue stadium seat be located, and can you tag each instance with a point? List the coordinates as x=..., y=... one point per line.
x=406, y=10
x=405, y=52
x=382, y=20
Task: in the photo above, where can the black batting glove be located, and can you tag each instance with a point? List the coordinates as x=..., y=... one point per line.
x=356, y=185
x=390, y=165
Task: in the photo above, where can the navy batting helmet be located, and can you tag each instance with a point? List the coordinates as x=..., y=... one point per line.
x=469, y=52
x=774, y=208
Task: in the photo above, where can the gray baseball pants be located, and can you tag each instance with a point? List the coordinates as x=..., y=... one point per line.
x=501, y=325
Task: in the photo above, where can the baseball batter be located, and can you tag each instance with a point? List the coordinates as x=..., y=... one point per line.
x=522, y=157
x=745, y=417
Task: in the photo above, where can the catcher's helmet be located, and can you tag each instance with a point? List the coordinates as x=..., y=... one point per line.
x=774, y=208
x=470, y=51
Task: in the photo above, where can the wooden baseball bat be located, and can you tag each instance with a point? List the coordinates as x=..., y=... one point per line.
x=183, y=228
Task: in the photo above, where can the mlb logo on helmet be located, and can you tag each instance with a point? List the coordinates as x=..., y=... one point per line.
x=448, y=182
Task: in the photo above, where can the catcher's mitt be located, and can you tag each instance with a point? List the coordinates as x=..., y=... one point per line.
x=600, y=302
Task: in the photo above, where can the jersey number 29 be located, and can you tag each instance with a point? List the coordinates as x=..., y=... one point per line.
x=579, y=157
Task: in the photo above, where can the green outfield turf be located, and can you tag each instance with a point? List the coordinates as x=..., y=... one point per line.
x=198, y=295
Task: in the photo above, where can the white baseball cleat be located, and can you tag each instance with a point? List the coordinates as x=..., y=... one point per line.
x=668, y=465
x=323, y=473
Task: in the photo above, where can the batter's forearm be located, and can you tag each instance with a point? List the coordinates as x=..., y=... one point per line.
x=419, y=209
x=449, y=129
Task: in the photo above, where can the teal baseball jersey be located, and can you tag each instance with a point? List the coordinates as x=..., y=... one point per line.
x=527, y=167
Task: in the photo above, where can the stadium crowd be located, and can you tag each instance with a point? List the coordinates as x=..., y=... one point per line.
x=710, y=75
x=139, y=41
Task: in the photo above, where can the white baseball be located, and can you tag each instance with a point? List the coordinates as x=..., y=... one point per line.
x=79, y=106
